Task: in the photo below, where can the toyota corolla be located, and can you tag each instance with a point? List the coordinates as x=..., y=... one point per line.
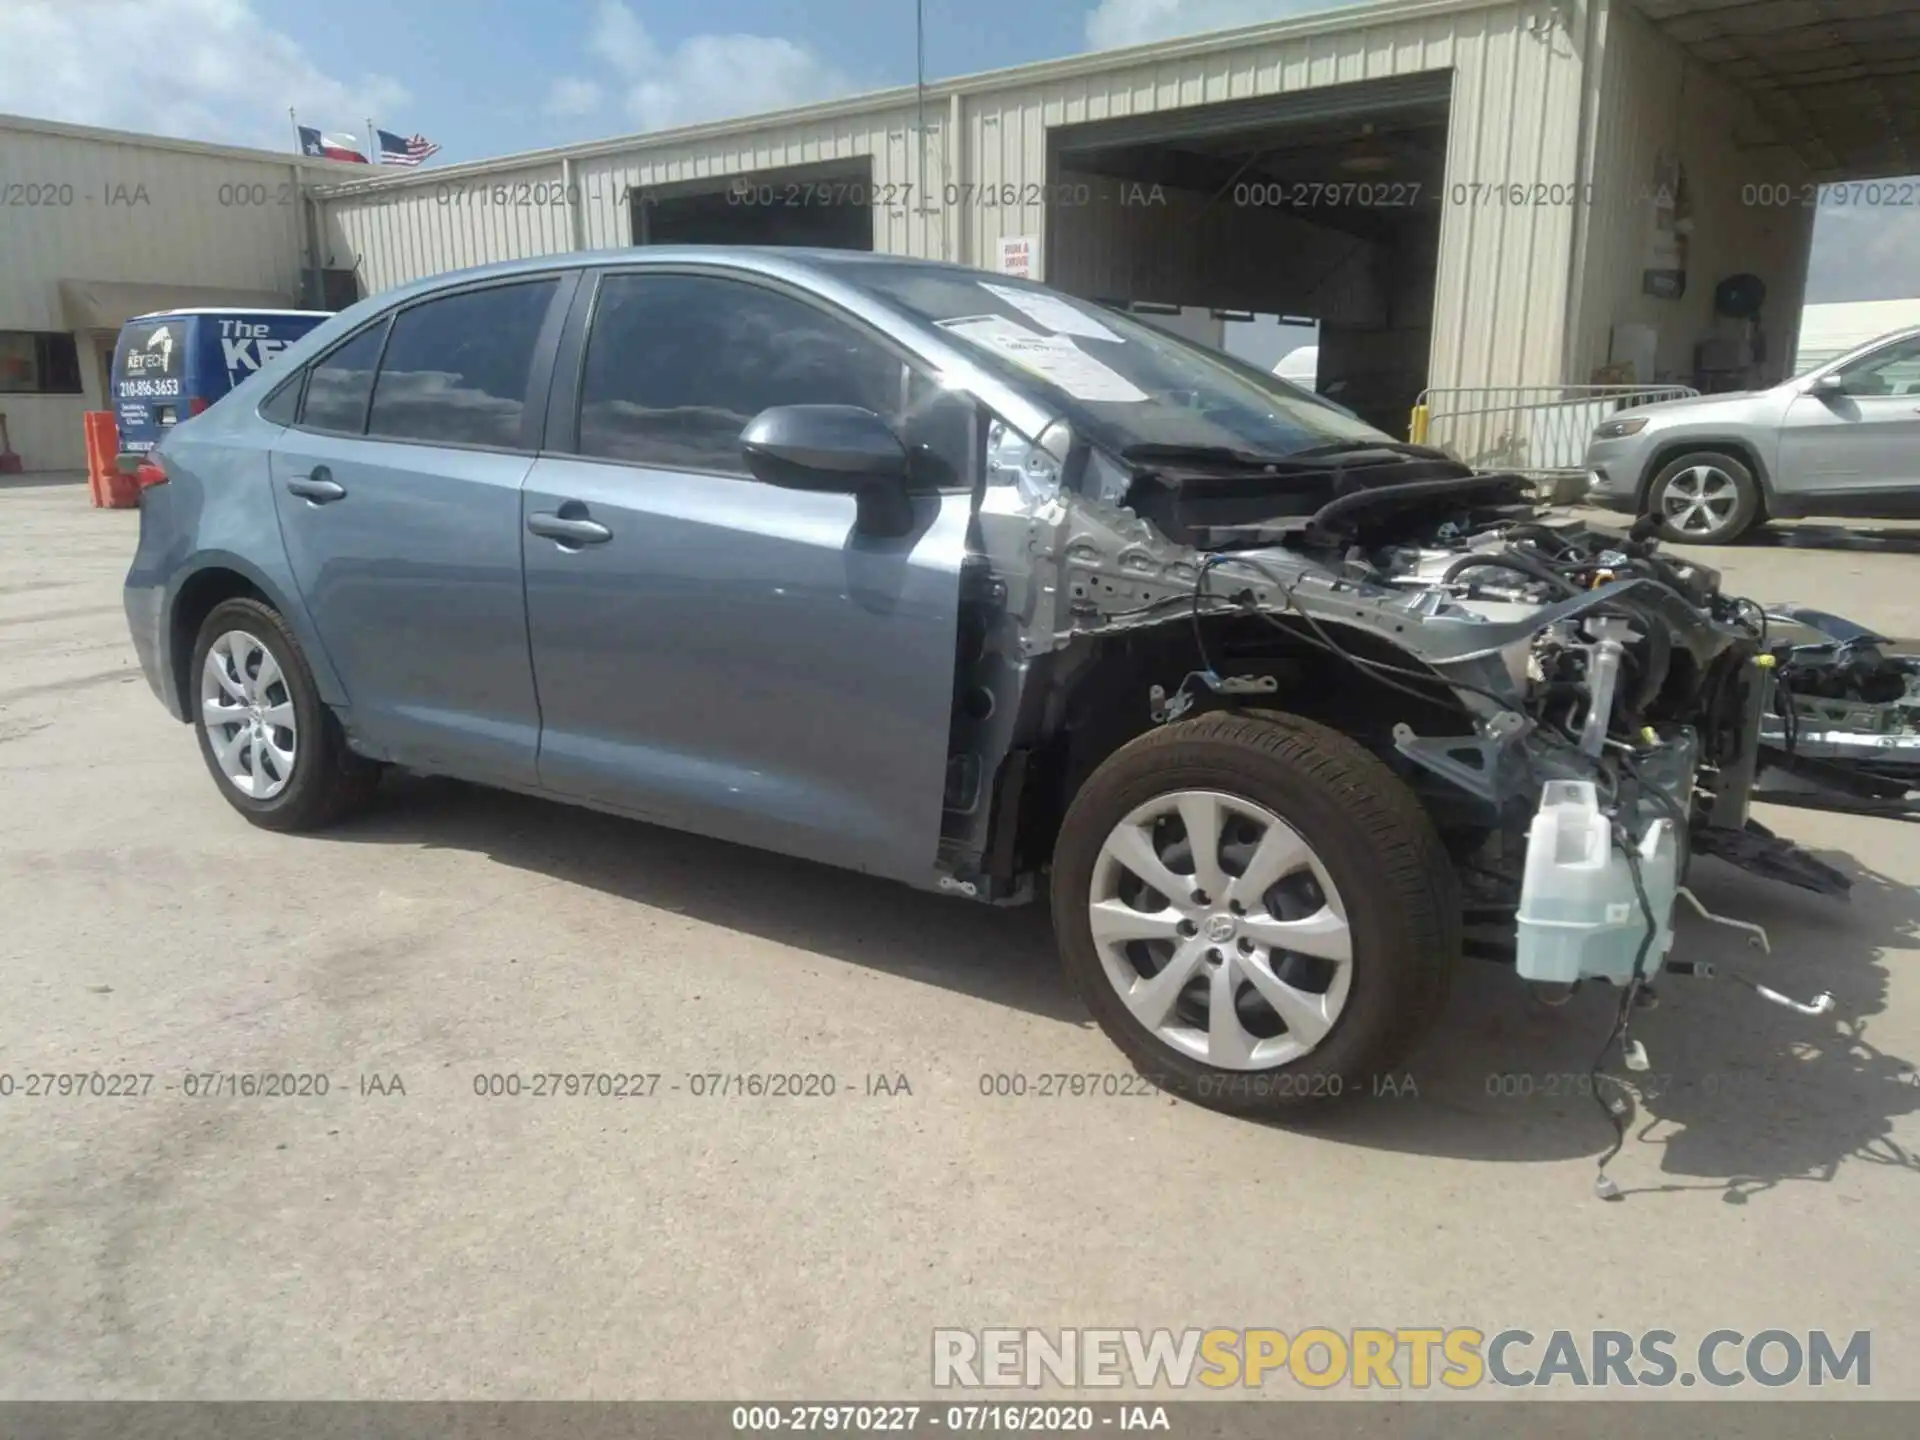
x=966, y=583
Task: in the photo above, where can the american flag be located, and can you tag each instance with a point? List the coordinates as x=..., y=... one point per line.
x=396, y=150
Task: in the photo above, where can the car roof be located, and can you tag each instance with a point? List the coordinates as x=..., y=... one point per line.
x=227, y=310
x=769, y=258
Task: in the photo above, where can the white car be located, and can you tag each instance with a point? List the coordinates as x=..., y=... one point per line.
x=1843, y=439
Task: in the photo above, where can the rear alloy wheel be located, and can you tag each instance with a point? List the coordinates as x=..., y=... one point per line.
x=248, y=714
x=276, y=752
x=1256, y=910
x=1706, y=498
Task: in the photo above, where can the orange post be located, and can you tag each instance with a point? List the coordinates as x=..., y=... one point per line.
x=103, y=445
x=10, y=463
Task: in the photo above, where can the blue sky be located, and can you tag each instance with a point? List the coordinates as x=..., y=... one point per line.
x=491, y=77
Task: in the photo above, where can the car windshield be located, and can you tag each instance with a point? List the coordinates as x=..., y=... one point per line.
x=1125, y=383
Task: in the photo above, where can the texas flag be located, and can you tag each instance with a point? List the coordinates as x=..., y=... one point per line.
x=330, y=147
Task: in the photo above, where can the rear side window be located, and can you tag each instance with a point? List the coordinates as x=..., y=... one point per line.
x=678, y=364
x=457, y=369
x=281, y=406
x=340, y=385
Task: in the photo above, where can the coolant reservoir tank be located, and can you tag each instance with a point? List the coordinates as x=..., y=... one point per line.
x=1580, y=916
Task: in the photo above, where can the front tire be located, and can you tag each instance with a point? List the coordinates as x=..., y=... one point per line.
x=1293, y=954
x=275, y=751
x=1706, y=497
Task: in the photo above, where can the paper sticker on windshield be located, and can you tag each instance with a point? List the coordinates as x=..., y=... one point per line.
x=1059, y=316
x=1051, y=357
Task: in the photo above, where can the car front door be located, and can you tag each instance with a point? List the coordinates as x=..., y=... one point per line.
x=723, y=654
x=398, y=492
x=1857, y=447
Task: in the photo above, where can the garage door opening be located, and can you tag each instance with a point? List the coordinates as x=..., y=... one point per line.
x=824, y=205
x=1322, y=203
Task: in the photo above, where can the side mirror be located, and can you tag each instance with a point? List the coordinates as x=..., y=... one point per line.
x=841, y=449
x=1828, y=386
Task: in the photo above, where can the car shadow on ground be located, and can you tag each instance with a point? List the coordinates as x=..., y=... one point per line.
x=1741, y=1095
x=1002, y=955
x=1903, y=540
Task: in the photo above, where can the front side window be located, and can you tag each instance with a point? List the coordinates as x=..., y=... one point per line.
x=1892, y=371
x=457, y=368
x=677, y=365
x=341, y=383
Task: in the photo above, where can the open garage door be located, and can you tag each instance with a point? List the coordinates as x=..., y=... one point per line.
x=1319, y=203
x=829, y=205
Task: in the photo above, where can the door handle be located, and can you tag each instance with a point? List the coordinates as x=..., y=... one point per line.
x=319, y=487
x=569, y=531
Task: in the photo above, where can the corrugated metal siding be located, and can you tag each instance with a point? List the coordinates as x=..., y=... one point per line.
x=1652, y=96
x=133, y=214
x=140, y=215
x=401, y=233
x=1506, y=222
x=396, y=233
x=606, y=180
x=1503, y=269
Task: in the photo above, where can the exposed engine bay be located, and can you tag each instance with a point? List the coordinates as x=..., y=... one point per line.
x=1579, y=713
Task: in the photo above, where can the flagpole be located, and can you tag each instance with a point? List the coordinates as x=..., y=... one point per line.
x=920, y=106
x=298, y=148
x=373, y=146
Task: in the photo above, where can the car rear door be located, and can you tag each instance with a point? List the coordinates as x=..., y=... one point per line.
x=716, y=652
x=1859, y=449
x=398, y=493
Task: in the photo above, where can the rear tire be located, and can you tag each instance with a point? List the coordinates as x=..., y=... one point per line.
x=1368, y=859
x=275, y=750
x=1705, y=497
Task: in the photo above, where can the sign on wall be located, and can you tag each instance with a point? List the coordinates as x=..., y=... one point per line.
x=1671, y=225
x=1017, y=255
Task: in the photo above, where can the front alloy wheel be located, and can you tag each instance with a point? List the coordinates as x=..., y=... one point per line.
x=1220, y=930
x=1705, y=498
x=1256, y=909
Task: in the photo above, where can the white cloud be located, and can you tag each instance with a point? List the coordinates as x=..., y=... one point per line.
x=207, y=70
x=1114, y=23
x=706, y=77
x=571, y=96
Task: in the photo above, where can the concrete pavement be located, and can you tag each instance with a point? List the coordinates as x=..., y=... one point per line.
x=404, y=1236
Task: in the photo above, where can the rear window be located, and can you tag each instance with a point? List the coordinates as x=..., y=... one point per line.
x=152, y=351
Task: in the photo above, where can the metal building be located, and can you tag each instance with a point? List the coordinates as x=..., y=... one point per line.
x=1486, y=204
x=97, y=226
x=1463, y=193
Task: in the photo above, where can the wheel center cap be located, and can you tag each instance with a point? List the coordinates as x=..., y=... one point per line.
x=1221, y=928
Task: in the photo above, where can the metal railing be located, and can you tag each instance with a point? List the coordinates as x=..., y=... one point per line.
x=1537, y=430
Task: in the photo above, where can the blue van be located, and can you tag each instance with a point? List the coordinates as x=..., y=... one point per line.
x=172, y=364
